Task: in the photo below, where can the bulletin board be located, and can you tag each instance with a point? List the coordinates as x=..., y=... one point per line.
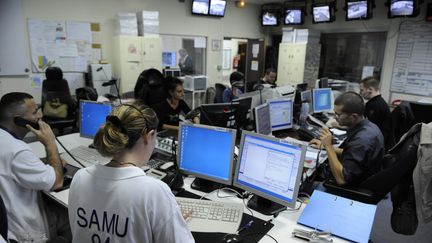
x=412, y=70
x=70, y=45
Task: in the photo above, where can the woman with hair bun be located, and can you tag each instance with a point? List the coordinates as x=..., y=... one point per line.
x=117, y=202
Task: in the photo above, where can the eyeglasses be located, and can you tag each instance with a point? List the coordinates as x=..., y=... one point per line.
x=340, y=114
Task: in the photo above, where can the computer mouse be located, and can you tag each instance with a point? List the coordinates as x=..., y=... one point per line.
x=232, y=238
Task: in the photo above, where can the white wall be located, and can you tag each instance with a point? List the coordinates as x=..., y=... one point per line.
x=379, y=22
x=174, y=16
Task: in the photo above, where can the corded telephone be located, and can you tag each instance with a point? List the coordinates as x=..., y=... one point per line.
x=311, y=129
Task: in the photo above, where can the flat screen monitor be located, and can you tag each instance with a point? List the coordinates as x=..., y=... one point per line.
x=356, y=9
x=322, y=100
x=262, y=119
x=169, y=59
x=217, y=8
x=220, y=115
x=322, y=14
x=92, y=115
x=401, y=8
x=207, y=153
x=244, y=111
x=269, y=18
x=293, y=16
x=270, y=168
x=281, y=113
x=200, y=7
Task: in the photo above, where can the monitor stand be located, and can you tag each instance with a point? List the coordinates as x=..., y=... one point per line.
x=265, y=206
x=204, y=185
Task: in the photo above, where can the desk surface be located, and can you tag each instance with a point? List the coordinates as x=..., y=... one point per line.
x=284, y=224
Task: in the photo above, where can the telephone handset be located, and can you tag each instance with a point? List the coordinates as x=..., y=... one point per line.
x=23, y=122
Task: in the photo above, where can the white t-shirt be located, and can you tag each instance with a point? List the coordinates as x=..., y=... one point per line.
x=123, y=205
x=22, y=176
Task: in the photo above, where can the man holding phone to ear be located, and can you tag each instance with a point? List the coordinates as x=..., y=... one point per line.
x=22, y=174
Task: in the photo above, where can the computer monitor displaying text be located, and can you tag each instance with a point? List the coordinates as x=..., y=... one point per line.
x=322, y=100
x=262, y=119
x=92, y=116
x=281, y=113
x=211, y=160
x=270, y=168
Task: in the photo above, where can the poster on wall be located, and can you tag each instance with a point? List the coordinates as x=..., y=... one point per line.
x=412, y=70
x=66, y=44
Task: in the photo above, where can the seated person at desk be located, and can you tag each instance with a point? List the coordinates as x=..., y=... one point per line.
x=269, y=78
x=362, y=151
x=23, y=175
x=237, y=82
x=139, y=208
x=376, y=109
x=168, y=111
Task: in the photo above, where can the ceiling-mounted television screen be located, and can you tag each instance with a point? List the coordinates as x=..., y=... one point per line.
x=217, y=8
x=402, y=8
x=293, y=16
x=269, y=18
x=357, y=10
x=322, y=13
x=200, y=7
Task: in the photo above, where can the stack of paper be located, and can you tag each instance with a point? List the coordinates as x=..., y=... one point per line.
x=127, y=24
x=148, y=23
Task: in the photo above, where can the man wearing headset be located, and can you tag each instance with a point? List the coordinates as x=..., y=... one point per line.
x=22, y=174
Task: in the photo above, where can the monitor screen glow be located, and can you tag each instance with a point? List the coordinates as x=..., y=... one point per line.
x=321, y=14
x=200, y=7
x=293, y=16
x=217, y=8
x=270, y=168
x=269, y=18
x=322, y=100
x=92, y=116
x=402, y=8
x=169, y=59
x=357, y=10
x=212, y=159
x=281, y=113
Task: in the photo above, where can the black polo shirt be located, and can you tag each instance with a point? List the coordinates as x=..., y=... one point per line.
x=167, y=115
x=377, y=111
x=363, y=151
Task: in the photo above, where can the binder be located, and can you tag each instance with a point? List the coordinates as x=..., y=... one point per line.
x=346, y=218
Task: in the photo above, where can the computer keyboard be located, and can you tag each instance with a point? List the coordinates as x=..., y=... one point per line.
x=211, y=216
x=153, y=164
x=87, y=156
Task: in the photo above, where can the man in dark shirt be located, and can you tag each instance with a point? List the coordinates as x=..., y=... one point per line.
x=360, y=155
x=268, y=79
x=376, y=109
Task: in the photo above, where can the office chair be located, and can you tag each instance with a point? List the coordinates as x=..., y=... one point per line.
x=219, y=92
x=396, y=177
x=55, y=87
x=3, y=220
x=210, y=95
x=149, y=87
x=250, y=86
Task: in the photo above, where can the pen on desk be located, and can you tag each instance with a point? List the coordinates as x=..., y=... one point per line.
x=246, y=226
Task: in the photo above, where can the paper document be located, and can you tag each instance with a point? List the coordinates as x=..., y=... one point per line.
x=343, y=217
